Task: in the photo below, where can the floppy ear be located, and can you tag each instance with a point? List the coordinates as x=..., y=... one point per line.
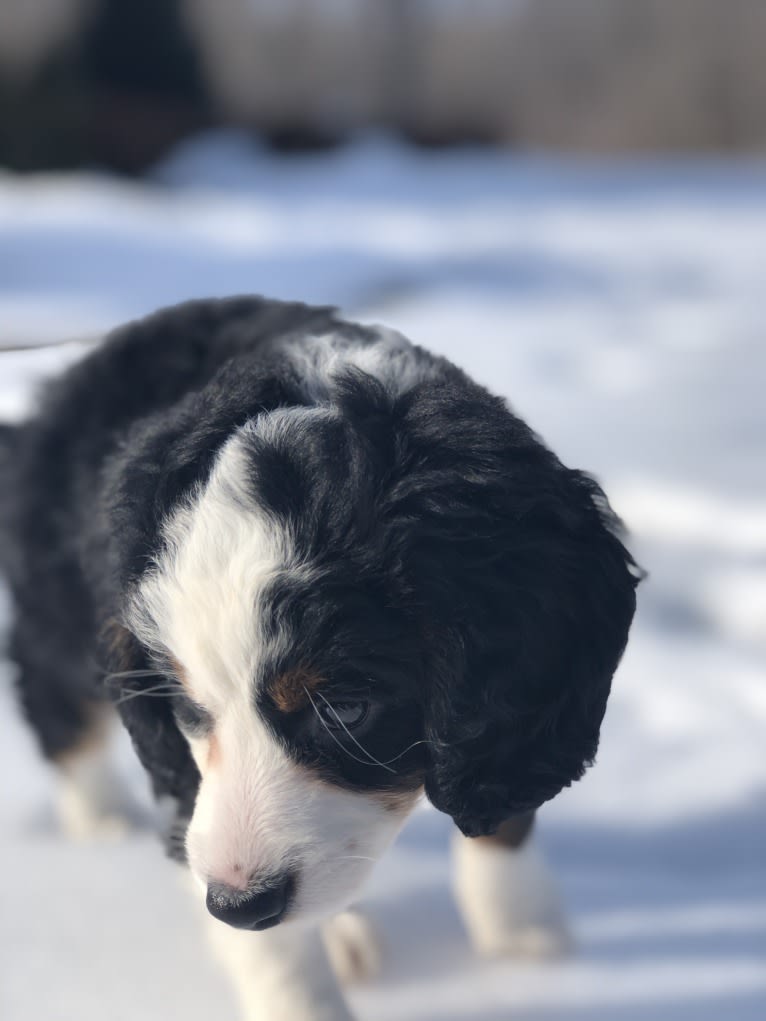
x=149, y=720
x=531, y=595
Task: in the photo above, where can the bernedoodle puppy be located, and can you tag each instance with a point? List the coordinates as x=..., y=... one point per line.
x=319, y=571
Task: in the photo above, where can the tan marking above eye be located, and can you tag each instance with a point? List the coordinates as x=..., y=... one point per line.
x=288, y=691
x=179, y=671
x=213, y=751
x=121, y=643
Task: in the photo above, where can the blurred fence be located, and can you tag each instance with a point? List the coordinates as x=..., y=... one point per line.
x=118, y=81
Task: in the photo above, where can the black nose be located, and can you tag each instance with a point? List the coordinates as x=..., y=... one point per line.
x=245, y=910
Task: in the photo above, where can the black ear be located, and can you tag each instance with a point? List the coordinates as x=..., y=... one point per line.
x=531, y=596
x=149, y=720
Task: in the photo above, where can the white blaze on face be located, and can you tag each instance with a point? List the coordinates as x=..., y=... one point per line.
x=258, y=812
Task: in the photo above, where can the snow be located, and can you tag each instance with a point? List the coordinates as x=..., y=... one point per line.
x=620, y=308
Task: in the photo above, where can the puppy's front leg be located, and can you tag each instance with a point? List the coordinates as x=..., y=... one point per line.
x=506, y=894
x=282, y=974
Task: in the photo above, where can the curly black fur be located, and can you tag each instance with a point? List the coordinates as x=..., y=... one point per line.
x=436, y=520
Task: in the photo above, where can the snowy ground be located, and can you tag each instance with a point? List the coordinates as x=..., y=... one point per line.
x=622, y=311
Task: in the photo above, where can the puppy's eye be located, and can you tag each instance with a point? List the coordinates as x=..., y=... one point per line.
x=192, y=719
x=344, y=715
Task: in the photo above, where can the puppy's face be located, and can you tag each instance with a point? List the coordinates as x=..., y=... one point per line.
x=298, y=691
x=366, y=597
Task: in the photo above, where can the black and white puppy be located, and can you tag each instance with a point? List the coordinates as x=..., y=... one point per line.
x=323, y=571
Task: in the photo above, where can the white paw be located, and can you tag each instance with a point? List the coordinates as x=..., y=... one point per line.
x=542, y=942
x=106, y=830
x=509, y=901
x=353, y=947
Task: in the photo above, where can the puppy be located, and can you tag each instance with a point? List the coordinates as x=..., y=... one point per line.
x=319, y=571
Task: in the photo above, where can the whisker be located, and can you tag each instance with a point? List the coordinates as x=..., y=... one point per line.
x=168, y=686
x=407, y=749
x=124, y=674
x=361, y=748
x=337, y=740
x=159, y=691
x=138, y=694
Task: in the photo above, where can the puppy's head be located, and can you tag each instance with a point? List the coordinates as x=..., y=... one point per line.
x=365, y=598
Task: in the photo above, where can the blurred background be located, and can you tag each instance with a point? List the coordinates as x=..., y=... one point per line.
x=567, y=198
